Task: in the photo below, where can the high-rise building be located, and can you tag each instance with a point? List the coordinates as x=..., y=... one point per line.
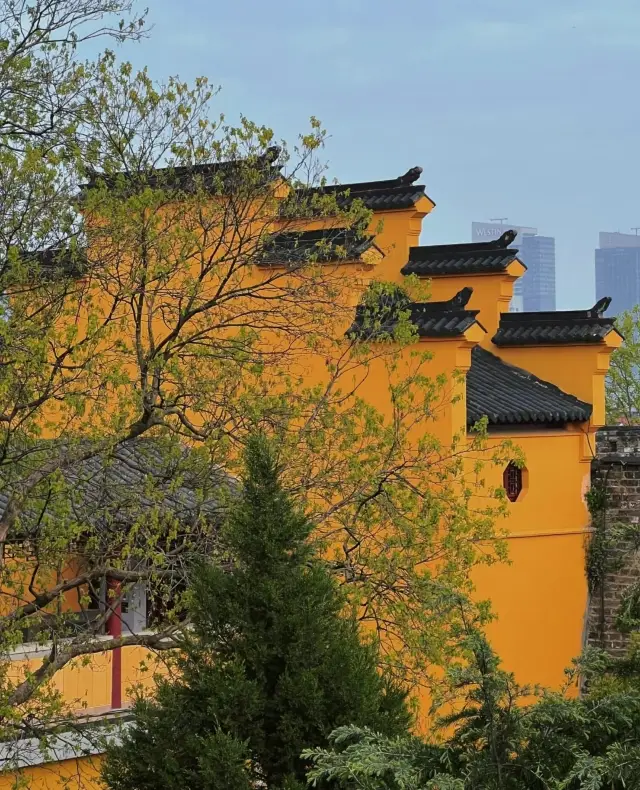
x=539, y=281
x=618, y=270
x=536, y=289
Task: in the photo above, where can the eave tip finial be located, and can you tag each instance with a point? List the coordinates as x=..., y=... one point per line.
x=461, y=299
x=411, y=176
x=506, y=240
x=601, y=306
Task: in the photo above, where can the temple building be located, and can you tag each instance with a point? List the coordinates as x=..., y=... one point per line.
x=536, y=378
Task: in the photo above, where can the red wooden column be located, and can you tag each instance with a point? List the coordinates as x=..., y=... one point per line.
x=114, y=629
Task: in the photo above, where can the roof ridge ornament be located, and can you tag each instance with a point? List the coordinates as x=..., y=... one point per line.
x=507, y=238
x=271, y=154
x=461, y=298
x=600, y=307
x=411, y=176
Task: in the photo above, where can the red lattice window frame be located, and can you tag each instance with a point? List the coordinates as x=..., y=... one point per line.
x=512, y=481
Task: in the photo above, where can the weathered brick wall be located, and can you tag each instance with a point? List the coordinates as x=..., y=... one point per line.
x=617, y=468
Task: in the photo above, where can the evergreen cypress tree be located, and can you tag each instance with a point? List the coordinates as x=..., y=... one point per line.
x=272, y=665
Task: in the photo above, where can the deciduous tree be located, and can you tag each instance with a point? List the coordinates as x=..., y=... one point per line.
x=623, y=379
x=162, y=329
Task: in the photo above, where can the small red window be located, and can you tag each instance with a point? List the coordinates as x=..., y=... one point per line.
x=512, y=481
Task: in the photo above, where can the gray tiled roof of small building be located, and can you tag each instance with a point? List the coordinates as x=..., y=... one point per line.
x=486, y=257
x=118, y=485
x=394, y=193
x=329, y=244
x=56, y=262
x=209, y=175
x=431, y=319
x=508, y=395
x=555, y=328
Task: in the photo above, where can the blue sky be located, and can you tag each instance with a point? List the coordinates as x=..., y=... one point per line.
x=525, y=109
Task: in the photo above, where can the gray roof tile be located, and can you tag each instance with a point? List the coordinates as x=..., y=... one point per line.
x=555, y=328
x=213, y=176
x=508, y=395
x=431, y=319
x=485, y=257
x=139, y=474
x=394, y=193
x=326, y=245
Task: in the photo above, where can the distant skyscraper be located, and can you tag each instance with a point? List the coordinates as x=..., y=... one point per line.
x=539, y=281
x=618, y=270
x=536, y=289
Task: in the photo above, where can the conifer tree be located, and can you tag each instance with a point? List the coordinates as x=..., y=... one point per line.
x=503, y=736
x=273, y=664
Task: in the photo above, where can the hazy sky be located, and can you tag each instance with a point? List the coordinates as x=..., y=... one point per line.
x=526, y=109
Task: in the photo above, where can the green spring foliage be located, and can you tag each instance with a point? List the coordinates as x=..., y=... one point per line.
x=272, y=664
x=502, y=736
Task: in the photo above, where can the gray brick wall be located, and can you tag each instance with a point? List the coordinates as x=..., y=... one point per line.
x=617, y=468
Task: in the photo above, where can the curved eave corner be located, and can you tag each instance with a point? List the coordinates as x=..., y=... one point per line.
x=516, y=268
x=474, y=334
x=424, y=205
x=613, y=339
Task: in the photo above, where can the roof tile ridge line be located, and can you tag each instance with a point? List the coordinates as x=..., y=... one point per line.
x=460, y=270
x=530, y=374
x=444, y=302
x=305, y=231
x=468, y=246
x=555, y=315
x=543, y=329
x=350, y=235
x=597, y=312
x=368, y=186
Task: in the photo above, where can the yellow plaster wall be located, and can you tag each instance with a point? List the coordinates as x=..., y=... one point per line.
x=491, y=294
x=85, y=683
x=398, y=231
x=551, y=500
x=540, y=597
x=79, y=774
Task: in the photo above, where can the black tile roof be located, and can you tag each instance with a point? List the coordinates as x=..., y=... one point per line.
x=508, y=395
x=210, y=175
x=435, y=319
x=56, y=262
x=554, y=328
x=431, y=319
x=486, y=257
x=394, y=193
x=332, y=244
x=139, y=473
